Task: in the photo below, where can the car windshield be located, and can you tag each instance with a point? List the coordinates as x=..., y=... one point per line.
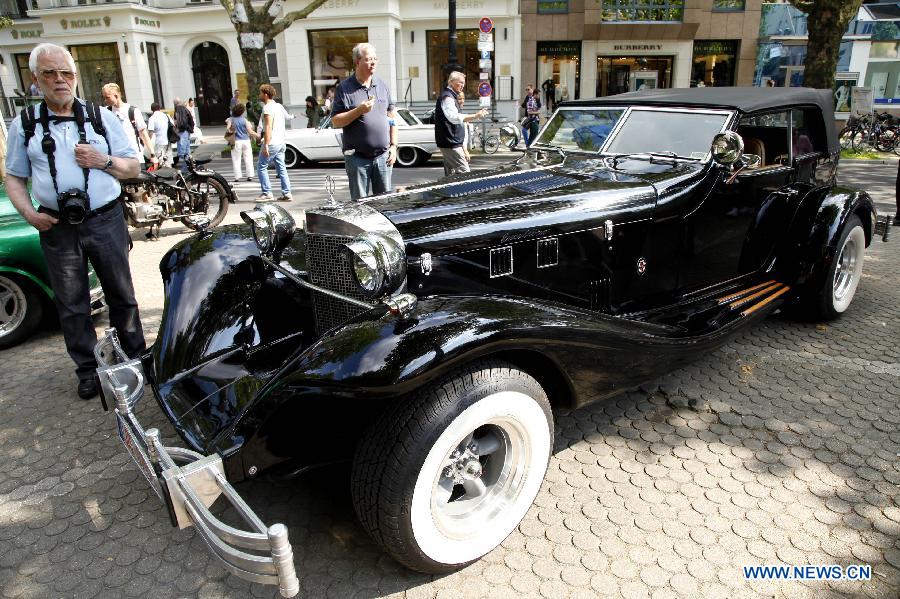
x=687, y=133
x=408, y=117
x=582, y=129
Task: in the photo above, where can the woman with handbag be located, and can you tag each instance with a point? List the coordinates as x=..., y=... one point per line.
x=237, y=133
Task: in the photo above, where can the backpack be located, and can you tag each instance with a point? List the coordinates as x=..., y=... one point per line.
x=137, y=134
x=91, y=110
x=171, y=132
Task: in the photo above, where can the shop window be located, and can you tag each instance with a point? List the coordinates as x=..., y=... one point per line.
x=97, y=65
x=558, y=72
x=714, y=63
x=728, y=5
x=155, y=78
x=23, y=72
x=781, y=63
x=552, y=7
x=331, y=59
x=663, y=11
x=782, y=19
x=620, y=74
x=467, y=55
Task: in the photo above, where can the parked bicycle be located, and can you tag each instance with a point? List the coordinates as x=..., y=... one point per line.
x=488, y=140
x=878, y=131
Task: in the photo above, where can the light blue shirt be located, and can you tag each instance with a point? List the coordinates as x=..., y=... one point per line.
x=32, y=162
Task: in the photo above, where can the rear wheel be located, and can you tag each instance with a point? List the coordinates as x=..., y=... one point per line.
x=407, y=156
x=292, y=158
x=846, y=137
x=446, y=475
x=844, y=273
x=491, y=144
x=208, y=193
x=860, y=141
x=20, y=310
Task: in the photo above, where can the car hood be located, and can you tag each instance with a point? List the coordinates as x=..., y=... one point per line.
x=499, y=206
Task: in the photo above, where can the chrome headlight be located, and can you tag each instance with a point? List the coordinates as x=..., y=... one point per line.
x=273, y=227
x=377, y=263
x=727, y=148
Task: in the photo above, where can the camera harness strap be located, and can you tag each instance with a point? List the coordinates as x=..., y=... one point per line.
x=48, y=145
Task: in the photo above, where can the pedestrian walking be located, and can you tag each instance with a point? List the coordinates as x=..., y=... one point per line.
x=531, y=122
x=272, y=146
x=242, y=130
x=158, y=124
x=74, y=152
x=234, y=99
x=314, y=113
x=363, y=108
x=131, y=120
x=897, y=198
x=184, y=123
x=450, y=125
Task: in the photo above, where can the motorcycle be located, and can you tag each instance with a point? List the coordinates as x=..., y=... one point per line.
x=154, y=197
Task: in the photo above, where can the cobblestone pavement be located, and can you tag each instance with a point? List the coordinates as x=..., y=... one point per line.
x=788, y=456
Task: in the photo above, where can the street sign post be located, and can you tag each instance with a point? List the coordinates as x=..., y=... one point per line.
x=485, y=90
x=486, y=25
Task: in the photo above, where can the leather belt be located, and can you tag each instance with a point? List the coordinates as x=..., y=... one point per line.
x=104, y=208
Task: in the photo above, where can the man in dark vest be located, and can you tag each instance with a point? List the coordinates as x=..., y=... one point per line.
x=449, y=125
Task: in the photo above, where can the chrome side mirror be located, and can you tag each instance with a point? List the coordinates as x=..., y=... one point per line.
x=509, y=135
x=727, y=148
x=751, y=161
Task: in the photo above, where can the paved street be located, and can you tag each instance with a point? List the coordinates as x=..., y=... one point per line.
x=790, y=457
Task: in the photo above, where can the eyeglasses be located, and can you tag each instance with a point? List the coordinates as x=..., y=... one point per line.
x=52, y=74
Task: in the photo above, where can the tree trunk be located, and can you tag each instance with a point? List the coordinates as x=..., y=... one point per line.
x=257, y=74
x=824, y=42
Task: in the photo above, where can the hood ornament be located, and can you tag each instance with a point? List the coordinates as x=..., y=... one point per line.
x=329, y=189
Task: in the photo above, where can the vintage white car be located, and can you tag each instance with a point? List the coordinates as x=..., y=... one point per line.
x=416, y=142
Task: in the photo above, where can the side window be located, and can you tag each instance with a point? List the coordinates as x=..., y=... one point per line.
x=766, y=135
x=807, y=132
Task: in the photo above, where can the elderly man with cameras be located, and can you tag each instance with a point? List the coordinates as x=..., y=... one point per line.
x=74, y=153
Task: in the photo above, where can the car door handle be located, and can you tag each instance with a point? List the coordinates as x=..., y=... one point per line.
x=788, y=193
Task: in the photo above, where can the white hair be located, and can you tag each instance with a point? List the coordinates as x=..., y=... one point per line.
x=178, y=101
x=45, y=49
x=358, y=49
x=456, y=76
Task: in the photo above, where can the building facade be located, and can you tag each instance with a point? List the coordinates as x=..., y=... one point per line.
x=161, y=49
x=595, y=48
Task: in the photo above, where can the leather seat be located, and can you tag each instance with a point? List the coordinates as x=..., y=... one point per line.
x=755, y=146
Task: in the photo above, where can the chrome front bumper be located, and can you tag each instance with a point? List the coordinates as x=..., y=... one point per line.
x=190, y=488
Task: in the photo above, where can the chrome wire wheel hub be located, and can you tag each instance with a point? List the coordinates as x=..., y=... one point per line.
x=12, y=306
x=846, y=273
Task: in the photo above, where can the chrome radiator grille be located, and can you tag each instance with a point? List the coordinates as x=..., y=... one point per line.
x=328, y=269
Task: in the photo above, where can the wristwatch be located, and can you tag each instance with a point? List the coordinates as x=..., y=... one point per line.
x=108, y=164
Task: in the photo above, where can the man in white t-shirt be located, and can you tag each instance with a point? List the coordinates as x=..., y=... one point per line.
x=158, y=124
x=132, y=121
x=271, y=146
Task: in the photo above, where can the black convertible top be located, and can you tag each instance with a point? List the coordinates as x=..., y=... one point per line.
x=744, y=99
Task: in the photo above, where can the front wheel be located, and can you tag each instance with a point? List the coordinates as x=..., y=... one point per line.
x=407, y=156
x=292, y=158
x=491, y=144
x=846, y=137
x=447, y=474
x=860, y=141
x=207, y=193
x=20, y=310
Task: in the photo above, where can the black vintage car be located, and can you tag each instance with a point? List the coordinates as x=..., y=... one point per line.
x=432, y=331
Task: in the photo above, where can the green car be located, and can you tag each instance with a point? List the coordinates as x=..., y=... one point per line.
x=25, y=293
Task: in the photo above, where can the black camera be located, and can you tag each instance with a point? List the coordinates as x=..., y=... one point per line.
x=73, y=206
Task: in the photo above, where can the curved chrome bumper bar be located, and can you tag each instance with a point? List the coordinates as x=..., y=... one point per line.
x=190, y=488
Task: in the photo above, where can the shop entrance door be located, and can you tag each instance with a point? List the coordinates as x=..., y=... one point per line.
x=212, y=83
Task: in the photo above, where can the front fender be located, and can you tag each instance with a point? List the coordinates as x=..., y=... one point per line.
x=23, y=273
x=232, y=196
x=815, y=231
x=335, y=387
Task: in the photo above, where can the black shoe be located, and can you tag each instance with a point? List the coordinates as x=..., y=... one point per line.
x=87, y=388
x=897, y=220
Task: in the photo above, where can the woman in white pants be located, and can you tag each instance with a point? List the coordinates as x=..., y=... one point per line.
x=242, y=131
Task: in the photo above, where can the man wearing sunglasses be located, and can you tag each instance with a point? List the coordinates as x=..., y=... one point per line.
x=363, y=108
x=74, y=167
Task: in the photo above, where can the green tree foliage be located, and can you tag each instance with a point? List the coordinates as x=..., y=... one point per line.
x=827, y=22
x=256, y=28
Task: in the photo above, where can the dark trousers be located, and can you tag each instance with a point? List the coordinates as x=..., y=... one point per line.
x=104, y=240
